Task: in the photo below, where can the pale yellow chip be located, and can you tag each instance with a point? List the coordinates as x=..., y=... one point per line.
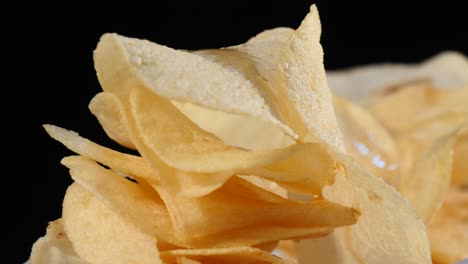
x=426, y=184
x=230, y=255
x=211, y=223
x=388, y=231
x=126, y=163
x=446, y=70
x=448, y=230
x=108, y=111
x=171, y=138
x=123, y=63
x=367, y=141
x=99, y=235
x=129, y=200
x=54, y=247
x=236, y=130
x=415, y=104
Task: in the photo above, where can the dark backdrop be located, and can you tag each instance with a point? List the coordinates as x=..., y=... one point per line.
x=57, y=80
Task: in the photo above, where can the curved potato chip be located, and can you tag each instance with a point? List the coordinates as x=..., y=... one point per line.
x=388, y=230
x=130, y=201
x=236, y=130
x=448, y=230
x=181, y=144
x=126, y=163
x=304, y=80
x=426, y=184
x=106, y=107
x=99, y=235
x=367, y=140
x=231, y=255
x=54, y=247
x=445, y=70
x=289, y=64
x=210, y=215
x=123, y=63
x=418, y=103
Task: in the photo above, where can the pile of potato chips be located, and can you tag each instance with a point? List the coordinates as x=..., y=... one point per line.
x=246, y=156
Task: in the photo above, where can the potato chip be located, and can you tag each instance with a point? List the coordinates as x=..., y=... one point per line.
x=107, y=109
x=123, y=63
x=444, y=70
x=169, y=135
x=183, y=145
x=246, y=212
x=448, y=230
x=126, y=163
x=54, y=247
x=418, y=104
x=460, y=166
x=291, y=67
x=388, y=230
x=367, y=140
x=426, y=184
x=99, y=235
x=265, y=50
x=145, y=64
x=144, y=210
x=233, y=255
x=236, y=130
x=208, y=214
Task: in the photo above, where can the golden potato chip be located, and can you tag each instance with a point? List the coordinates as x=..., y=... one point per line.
x=249, y=214
x=107, y=109
x=367, y=140
x=172, y=137
x=99, y=235
x=388, y=230
x=448, y=230
x=54, y=247
x=129, y=164
x=130, y=201
x=232, y=255
x=445, y=70
x=147, y=212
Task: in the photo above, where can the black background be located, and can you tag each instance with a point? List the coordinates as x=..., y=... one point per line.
x=55, y=79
